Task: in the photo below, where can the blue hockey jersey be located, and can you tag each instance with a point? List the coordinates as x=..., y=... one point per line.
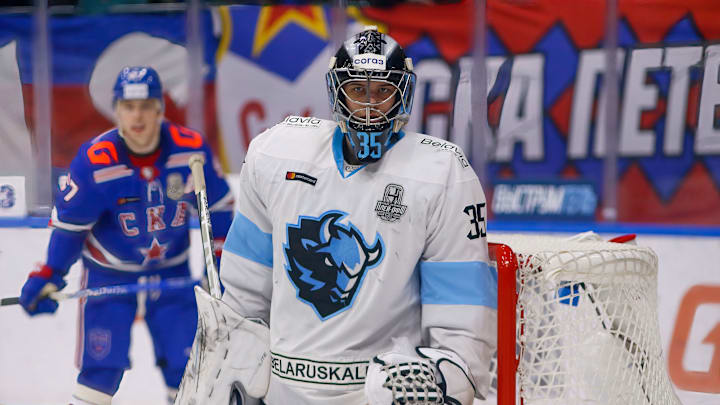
x=130, y=217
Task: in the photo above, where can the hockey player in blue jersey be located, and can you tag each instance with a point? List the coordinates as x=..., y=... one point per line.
x=124, y=208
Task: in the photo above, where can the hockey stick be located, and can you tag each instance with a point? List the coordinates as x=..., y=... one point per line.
x=196, y=163
x=125, y=289
x=627, y=343
x=611, y=326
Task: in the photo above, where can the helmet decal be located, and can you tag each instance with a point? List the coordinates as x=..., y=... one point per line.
x=137, y=83
x=369, y=41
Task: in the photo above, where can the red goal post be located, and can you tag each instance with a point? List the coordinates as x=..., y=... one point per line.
x=577, y=322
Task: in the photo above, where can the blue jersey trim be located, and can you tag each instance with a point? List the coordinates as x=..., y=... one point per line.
x=337, y=150
x=247, y=240
x=458, y=283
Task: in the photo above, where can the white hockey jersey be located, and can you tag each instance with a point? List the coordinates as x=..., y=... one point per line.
x=339, y=260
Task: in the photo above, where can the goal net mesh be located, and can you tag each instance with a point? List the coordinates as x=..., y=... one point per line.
x=587, y=328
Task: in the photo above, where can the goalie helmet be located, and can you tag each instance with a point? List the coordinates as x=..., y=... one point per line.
x=369, y=123
x=137, y=83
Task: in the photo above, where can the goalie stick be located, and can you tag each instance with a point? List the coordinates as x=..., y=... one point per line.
x=613, y=329
x=610, y=325
x=219, y=372
x=167, y=284
x=196, y=163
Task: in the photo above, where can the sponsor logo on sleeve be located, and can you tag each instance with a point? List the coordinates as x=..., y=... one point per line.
x=447, y=146
x=301, y=122
x=305, y=178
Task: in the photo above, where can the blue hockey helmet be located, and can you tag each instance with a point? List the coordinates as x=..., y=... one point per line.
x=137, y=83
x=371, y=56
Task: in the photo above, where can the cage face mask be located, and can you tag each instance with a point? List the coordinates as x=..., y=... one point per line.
x=370, y=86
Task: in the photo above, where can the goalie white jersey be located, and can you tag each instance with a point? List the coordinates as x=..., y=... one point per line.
x=339, y=260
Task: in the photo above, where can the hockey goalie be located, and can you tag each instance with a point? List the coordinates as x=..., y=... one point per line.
x=356, y=270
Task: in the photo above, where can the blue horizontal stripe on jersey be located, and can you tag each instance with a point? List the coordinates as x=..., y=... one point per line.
x=247, y=240
x=458, y=283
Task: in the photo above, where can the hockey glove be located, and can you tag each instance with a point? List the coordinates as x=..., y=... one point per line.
x=432, y=376
x=41, y=282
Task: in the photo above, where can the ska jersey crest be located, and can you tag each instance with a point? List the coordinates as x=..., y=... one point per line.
x=370, y=42
x=327, y=261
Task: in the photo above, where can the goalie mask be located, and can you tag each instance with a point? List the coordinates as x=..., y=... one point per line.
x=370, y=84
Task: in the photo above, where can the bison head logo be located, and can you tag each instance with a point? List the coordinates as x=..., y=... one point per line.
x=327, y=261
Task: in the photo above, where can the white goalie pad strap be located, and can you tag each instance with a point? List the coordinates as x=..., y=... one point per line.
x=228, y=350
x=454, y=375
x=398, y=378
x=85, y=395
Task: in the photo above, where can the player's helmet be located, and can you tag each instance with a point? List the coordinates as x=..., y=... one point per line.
x=137, y=83
x=371, y=56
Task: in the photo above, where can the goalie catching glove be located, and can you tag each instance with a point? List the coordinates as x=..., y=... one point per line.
x=230, y=355
x=432, y=376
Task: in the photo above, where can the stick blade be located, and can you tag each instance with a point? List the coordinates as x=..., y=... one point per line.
x=9, y=301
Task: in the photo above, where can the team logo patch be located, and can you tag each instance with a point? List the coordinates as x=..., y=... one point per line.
x=305, y=178
x=391, y=208
x=99, y=343
x=370, y=42
x=7, y=196
x=327, y=261
x=175, y=186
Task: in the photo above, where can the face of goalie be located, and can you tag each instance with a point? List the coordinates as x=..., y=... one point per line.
x=139, y=123
x=369, y=99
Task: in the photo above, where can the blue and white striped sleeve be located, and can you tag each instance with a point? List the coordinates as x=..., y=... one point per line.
x=247, y=259
x=458, y=287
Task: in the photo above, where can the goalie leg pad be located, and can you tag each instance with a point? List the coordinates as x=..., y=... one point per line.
x=228, y=350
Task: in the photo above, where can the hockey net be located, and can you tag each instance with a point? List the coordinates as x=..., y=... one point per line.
x=577, y=322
